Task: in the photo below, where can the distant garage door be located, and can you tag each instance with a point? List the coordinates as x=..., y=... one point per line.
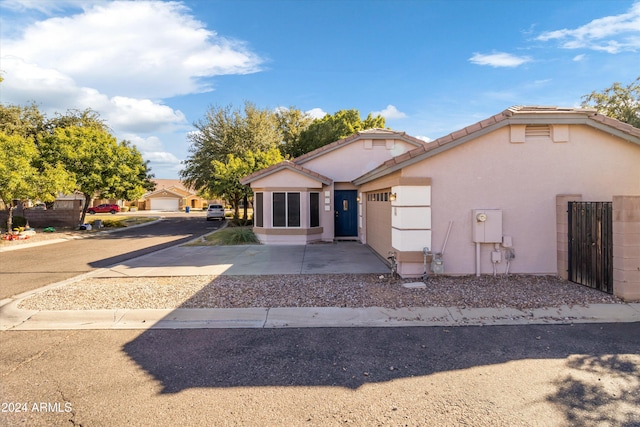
x=379, y=221
x=165, y=204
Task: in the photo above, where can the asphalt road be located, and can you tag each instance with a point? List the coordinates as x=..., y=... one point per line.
x=31, y=268
x=544, y=375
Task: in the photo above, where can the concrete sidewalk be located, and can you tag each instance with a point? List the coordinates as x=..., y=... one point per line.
x=345, y=257
x=12, y=318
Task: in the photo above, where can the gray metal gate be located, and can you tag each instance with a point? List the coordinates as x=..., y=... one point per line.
x=591, y=244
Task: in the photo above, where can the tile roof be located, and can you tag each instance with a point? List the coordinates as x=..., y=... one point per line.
x=520, y=114
x=286, y=164
x=295, y=163
x=513, y=114
x=162, y=191
x=174, y=185
x=374, y=133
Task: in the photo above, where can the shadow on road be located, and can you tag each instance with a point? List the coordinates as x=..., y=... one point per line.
x=352, y=357
x=600, y=390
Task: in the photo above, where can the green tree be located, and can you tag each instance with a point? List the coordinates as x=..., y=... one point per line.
x=225, y=132
x=75, y=151
x=24, y=175
x=331, y=128
x=21, y=180
x=100, y=166
x=226, y=182
x=617, y=101
x=291, y=123
x=26, y=121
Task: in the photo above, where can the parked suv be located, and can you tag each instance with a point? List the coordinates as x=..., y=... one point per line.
x=105, y=208
x=215, y=212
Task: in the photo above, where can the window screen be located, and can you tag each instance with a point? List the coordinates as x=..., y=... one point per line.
x=257, y=214
x=314, y=209
x=279, y=210
x=293, y=209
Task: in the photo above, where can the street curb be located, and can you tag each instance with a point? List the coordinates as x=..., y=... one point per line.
x=16, y=319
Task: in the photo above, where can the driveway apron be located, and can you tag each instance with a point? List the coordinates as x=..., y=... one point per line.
x=343, y=257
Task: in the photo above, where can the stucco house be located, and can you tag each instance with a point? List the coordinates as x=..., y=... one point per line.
x=499, y=185
x=171, y=195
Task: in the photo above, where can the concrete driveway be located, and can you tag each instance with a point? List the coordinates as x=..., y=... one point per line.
x=325, y=258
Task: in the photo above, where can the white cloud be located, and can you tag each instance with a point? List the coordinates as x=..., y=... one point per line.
x=145, y=49
x=151, y=143
x=612, y=34
x=142, y=115
x=499, y=59
x=119, y=59
x=316, y=113
x=424, y=138
x=152, y=149
x=163, y=157
x=57, y=92
x=580, y=57
x=390, y=112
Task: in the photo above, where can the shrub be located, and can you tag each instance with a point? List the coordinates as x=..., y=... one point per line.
x=238, y=236
x=240, y=222
x=113, y=223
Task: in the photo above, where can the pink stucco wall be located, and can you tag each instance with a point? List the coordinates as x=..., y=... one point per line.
x=353, y=160
x=342, y=165
x=523, y=180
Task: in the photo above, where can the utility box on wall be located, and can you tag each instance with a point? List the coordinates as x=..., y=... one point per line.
x=487, y=225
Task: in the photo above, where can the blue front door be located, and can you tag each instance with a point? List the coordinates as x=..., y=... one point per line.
x=346, y=213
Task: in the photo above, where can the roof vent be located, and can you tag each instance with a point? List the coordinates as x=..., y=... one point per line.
x=537, y=132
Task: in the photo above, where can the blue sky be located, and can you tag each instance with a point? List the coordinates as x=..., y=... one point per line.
x=152, y=68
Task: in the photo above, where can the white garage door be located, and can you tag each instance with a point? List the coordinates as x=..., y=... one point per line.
x=379, y=221
x=164, y=204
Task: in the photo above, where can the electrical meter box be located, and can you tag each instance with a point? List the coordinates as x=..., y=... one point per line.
x=487, y=225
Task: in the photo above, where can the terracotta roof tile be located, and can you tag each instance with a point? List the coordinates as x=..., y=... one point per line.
x=356, y=136
x=459, y=134
x=616, y=124
x=474, y=128
x=403, y=157
x=444, y=140
x=496, y=119
x=417, y=151
x=286, y=164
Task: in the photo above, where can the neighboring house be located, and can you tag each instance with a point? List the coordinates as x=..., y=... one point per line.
x=171, y=195
x=502, y=176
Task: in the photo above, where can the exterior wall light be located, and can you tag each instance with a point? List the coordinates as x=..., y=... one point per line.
x=392, y=197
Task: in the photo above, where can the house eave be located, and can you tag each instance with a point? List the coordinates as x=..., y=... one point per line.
x=292, y=167
x=163, y=190
x=383, y=170
x=362, y=135
x=507, y=118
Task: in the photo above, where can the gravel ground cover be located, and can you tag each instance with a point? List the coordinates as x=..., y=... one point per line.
x=335, y=290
